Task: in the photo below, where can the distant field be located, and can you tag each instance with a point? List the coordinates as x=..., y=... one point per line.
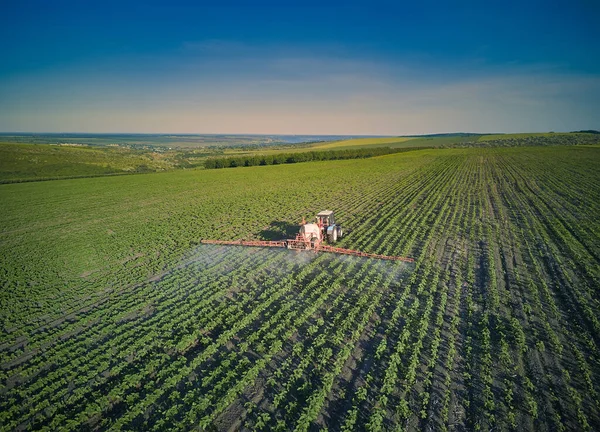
x=516, y=136
x=418, y=141
x=363, y=142
x=463, y=140
x=537, y=139
x=26, y=162
x=441, y=141
x=522, y=139
x=43, y=161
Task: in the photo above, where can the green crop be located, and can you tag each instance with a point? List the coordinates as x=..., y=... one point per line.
x=115, y=317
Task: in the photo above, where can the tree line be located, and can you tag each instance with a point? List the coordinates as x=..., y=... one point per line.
x=288, y=158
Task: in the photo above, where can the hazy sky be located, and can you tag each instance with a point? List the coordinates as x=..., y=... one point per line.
x=386, y=68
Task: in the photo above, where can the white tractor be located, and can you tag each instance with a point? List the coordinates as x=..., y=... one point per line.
x=311, y=235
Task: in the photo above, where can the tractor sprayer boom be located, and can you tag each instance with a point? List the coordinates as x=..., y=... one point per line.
x=312, y=236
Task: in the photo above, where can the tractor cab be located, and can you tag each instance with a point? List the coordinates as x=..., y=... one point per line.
x=326, y=221
x=325, y=218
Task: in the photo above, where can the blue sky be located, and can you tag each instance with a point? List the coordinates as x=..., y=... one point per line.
x=386, y=68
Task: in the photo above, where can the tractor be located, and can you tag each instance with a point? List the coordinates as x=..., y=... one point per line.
x=311, y=237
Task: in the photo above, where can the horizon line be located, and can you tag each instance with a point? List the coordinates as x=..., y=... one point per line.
x=17, y=133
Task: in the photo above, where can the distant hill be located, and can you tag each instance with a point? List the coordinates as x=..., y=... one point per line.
x=591, y=131
x=449, y=135
x=464, y=139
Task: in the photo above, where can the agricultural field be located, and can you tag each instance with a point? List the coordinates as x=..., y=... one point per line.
x=539, y=139
x=469, y=140
x=392, y=142
x=115, y=317
x=38, y=161
x=26, y=162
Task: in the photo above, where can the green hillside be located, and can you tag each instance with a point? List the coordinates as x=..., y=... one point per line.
x=41, y=161
x=364, y=142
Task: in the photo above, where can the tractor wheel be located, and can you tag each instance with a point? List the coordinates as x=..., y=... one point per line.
x=333, y=236
x=340, y=232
